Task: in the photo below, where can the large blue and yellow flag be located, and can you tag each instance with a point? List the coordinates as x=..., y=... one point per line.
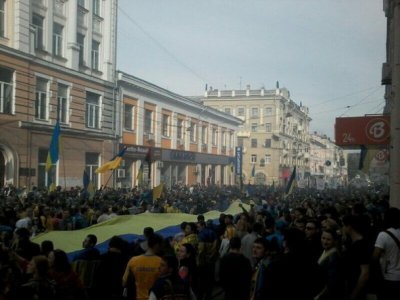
x=113, y=163
x=291, y=183
x=52, y=155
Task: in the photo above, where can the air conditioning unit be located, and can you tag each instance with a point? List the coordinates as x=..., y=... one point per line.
x=121, y=173
x=149, y=136
x=179, y=142
x=386, y=74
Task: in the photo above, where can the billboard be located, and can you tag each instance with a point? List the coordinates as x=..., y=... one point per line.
x=368, y=130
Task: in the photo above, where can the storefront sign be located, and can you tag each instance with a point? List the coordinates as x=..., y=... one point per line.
x=356, y=131
x=239, y=160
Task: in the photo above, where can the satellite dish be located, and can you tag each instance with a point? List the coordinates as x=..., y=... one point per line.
x=328, y=163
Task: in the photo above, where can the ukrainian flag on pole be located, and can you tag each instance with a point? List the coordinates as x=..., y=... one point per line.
x=291, y=183
x=52, y=156
x=113, y=163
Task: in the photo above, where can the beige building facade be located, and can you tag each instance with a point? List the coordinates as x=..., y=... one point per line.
x=274, y=134
x=57, y=62
x=189, y=143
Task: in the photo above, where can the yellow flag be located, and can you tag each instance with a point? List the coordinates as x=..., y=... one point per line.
x=157, y=191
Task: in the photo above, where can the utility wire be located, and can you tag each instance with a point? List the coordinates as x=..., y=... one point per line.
x=162, y=46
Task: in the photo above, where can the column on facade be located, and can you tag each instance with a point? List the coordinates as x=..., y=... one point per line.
x=72, y=51
x=157, y=143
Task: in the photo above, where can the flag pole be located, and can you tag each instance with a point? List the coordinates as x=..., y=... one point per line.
x=105, y=185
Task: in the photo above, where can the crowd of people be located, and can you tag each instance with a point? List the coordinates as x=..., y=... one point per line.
x=332, y=244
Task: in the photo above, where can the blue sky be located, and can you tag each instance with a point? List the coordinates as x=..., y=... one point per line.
x=327, y=53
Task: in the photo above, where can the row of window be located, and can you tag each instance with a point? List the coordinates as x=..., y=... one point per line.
x=42, y=100
x=254, y=111
x=263, y=161
x=196, y=133
x=95, y=5
x=58, y=30
x=47, y=178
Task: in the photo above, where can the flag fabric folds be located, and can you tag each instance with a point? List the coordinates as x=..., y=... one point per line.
x=291, y=183
x=231, y=168
x=253, y=171
x=139, y=176
x=113, y=163
x=157, y=191
x=52, y=155
x=88, y=185
x=366, y=157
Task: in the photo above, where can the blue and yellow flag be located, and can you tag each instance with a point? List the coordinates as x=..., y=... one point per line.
x=52, y=156
x=113, y=163
x=366, y=157
x=88, y=185
x=291, y=183
x=157, y=191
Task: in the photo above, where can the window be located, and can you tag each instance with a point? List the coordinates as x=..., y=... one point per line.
x=267, y=143
x=91, y=164
x=267, y=158
x=57, y=39
x=254, y=127
x=80, y=40
x=92, y=110
x=204, y=134
x=165, y=125
x=6, y=91
x=240, y=111
x=193, y=131
x=268, y=127
x=41, y=98
x=128, y=117
x=268, y=111
x=179, y=128
x=227, y=110
x=254, y=111
x=62, y=103
x=37, y=23
x=148, y=115
x=95, y=55
x=253, y=143
x=45, y=179
x=214, y=136
x=253, y=158
x=96, y=7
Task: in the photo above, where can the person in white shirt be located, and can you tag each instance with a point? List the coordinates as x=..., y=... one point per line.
x=387, y=250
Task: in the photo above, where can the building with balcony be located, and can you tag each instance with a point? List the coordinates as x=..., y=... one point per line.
x=328, y=164
x=274, y=134
x=187, y=142
x=57, y=62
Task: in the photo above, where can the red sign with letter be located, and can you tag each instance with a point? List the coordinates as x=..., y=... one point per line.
x=368, y=130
